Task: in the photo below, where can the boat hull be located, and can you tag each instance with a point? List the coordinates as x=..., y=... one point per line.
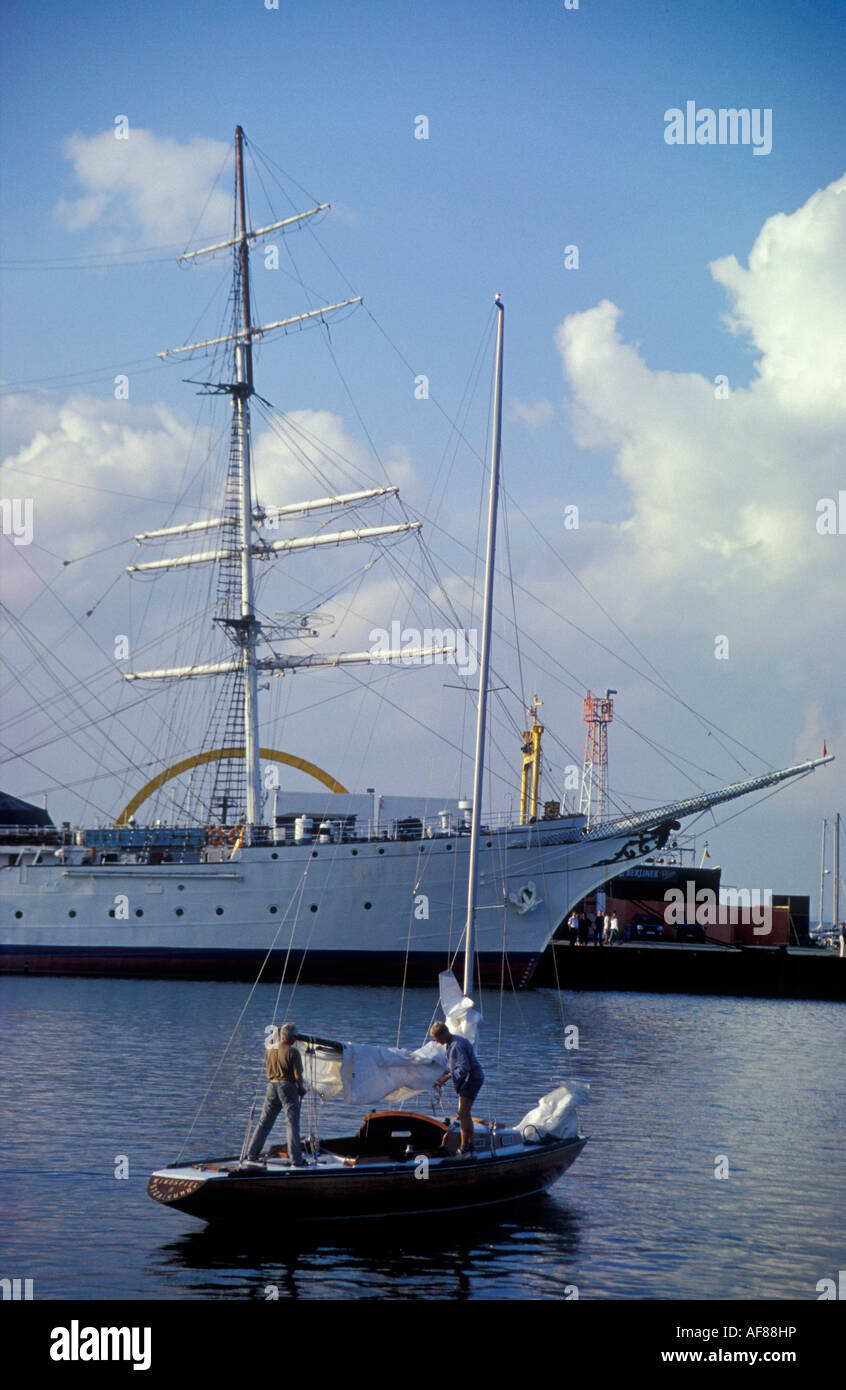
x=309, y=1196
x=374, y=912
x=385, y=967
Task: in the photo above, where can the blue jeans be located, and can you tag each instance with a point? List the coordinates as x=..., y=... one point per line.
x=280, y=1095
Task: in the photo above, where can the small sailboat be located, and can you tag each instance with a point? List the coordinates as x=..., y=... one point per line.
x=399, y=1162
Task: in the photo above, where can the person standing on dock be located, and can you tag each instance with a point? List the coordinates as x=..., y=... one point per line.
x=613, y=930
x=842, y=940
x=584, y=929
x=285, y=1090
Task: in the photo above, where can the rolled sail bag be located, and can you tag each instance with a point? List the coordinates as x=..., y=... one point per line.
x=555, y=1116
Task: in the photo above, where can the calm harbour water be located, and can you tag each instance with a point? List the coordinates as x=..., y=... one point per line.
x=93, y=1070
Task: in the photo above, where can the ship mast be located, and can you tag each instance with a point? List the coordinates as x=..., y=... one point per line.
x=238, y=545
x=247, y=629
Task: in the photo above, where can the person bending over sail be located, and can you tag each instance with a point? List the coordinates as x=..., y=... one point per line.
x=285, y=1090
x=467, y=1075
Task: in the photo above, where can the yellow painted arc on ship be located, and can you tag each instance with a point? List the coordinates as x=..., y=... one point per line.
x=214, y=755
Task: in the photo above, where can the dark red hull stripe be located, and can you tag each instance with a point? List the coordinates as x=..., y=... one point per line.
x=316, y=967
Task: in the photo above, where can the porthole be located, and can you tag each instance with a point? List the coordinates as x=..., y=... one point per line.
x=72, y=913
x=179, y=911
x=449, y=846
x=381, y=851
x=139, y=912
x=111, y=912
x=274, y=855
x=313, y=907
x=314, y=854
x=273, y=909
x=368, y=906
x=19, y=914
x=355, y=851
x=219, y=911
x=490, y=842
x=180, y=887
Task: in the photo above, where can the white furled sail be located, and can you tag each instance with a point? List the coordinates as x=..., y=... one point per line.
x=555, y=1115
x=368, y=1074
x=460, y=1013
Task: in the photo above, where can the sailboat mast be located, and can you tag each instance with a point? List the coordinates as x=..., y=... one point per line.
x=835, y=897
x=248, y=627
x=484, y=662
x=822, y=872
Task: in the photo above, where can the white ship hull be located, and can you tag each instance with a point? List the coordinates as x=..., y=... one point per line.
x=383, y=912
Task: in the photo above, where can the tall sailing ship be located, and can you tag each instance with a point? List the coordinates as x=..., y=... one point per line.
x=327, y=890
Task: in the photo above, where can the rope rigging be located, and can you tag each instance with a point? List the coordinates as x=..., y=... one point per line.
x=314, y=455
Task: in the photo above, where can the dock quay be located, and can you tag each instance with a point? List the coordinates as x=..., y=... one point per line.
x=682, y=968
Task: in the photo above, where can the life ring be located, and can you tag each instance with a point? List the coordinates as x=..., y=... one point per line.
x=235, y=834
x=215, y=837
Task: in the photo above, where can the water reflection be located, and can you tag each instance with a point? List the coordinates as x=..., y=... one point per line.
x=676, y=1081
x=467, y=1255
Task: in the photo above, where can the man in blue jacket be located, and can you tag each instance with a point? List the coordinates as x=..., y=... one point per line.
x=467, y=1075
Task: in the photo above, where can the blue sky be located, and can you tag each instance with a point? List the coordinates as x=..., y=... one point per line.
x=546, y=130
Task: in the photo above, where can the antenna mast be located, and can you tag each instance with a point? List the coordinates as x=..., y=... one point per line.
x=597, y=712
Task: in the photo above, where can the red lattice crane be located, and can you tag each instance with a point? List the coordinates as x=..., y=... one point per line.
x=597, y=712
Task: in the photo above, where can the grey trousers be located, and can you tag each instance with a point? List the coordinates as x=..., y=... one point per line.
x=280, y=1095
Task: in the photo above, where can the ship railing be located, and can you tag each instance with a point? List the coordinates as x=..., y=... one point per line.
x=330, y=829
x=30, y=835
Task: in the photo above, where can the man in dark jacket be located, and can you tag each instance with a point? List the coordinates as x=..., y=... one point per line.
x=467, y=1075
x=285, y=1090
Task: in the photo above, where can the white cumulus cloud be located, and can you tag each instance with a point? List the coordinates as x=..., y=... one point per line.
x=532, y=414
x=146, y=187
x=791, y=302
x=723, y=488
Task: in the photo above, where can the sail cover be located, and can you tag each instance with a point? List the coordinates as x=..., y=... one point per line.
x=555, y=1115
x=363, y=1073
x=366, y=1073
x=369, y=1073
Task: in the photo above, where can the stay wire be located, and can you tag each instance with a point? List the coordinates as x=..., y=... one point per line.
x=301, y=889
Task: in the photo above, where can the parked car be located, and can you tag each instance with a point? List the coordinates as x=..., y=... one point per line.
x=690, y=931
x=645, y=928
